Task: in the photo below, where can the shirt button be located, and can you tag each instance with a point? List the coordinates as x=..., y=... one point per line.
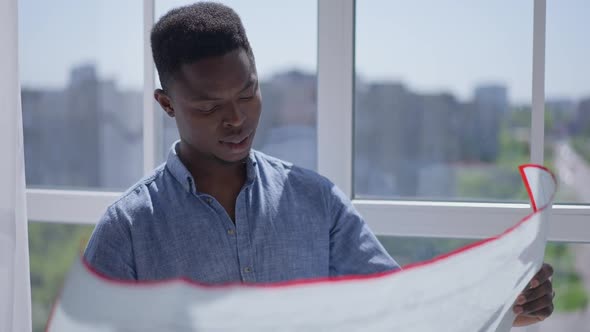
x=247, y=269
x=231, y=231
x=209, y=200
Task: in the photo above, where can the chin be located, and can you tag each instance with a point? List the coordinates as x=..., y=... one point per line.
x=234, y=158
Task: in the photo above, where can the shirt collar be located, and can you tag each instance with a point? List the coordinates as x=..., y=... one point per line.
x=184, y=177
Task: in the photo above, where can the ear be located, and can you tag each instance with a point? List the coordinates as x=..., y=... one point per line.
x=165, y=102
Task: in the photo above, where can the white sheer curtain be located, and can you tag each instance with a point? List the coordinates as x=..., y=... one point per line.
x=15, y=291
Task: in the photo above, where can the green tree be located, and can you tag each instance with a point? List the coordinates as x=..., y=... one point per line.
x=52, y=249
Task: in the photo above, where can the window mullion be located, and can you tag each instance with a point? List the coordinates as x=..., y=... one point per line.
x=537, y=143
x=150, y=120
x=335, y=91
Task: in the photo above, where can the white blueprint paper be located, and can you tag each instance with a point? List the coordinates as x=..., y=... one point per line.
x=472, y=289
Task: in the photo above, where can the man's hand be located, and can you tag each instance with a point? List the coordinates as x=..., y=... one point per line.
x=535, y=303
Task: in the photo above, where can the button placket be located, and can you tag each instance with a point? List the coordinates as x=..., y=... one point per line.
x=245, y=250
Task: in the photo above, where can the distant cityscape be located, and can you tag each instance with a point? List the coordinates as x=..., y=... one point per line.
x=406, y=143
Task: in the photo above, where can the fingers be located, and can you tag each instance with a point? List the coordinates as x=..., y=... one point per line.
x=543, y=275
x=543, y=313
x=535, y=303
x=541, y=305
x=532, y=294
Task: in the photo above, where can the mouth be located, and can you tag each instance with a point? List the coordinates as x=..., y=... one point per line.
x=237, y=144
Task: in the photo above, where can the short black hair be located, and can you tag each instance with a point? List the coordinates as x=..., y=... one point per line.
x=190, y=33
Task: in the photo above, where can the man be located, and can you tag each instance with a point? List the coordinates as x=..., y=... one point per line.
x=219, y=212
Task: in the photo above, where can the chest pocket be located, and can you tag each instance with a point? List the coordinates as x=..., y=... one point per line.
x=295, y=247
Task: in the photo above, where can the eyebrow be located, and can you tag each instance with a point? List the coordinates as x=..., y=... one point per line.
x=205, y=97
x=251, y=81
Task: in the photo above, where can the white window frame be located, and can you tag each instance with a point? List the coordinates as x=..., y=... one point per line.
x=336, y=21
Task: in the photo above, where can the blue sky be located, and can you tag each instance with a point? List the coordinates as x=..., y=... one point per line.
x=429, y=45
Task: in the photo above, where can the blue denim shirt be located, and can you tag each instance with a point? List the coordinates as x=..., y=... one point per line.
x=290, y=223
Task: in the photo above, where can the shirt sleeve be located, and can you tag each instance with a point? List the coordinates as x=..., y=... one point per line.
x=110, y=250
x=354, y=249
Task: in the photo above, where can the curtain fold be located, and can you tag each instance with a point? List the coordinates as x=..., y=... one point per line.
x=15, y=290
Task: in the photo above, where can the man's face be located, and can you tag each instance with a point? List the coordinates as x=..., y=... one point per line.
x=216, y=102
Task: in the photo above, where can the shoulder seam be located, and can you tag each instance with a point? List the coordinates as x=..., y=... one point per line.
x=145, y=182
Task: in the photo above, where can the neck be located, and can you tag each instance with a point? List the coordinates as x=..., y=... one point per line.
x=211, y=173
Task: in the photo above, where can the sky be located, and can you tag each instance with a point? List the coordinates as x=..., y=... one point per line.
x=429, y=45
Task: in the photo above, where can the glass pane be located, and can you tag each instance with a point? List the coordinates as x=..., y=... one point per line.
x=441, y=96
x=81, y=76
x=287, y=127
x=567, y=102
x=571, y=278
x=407, y=250
x=52, y=249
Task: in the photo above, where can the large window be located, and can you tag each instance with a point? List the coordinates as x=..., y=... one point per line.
x=286, y=63
x=81, y=78
x=567, y=101
x=420, y=111
x=439, y=97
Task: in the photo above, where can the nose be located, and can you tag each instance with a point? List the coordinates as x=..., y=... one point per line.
x=234, y=116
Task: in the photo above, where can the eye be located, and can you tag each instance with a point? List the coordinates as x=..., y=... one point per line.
x=208, y=110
